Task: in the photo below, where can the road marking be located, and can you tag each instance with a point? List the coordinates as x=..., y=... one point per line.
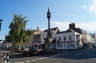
x=21, y=62
x=28, y=61
x=45, y=57
x=40, y=59
x=54, y=55
x=33, y=60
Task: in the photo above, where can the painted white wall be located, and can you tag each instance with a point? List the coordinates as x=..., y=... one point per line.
x=65, y=44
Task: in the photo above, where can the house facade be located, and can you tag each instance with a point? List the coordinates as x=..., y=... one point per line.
x=68, y=40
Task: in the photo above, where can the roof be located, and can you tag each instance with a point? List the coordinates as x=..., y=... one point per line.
x=78, y=30
x=69, y=30
x=51, y=29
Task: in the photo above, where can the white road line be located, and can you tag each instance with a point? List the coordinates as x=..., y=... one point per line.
x=46, y=57
x=21, y=62
x=33, y=60
x=40, y=59
x=43, y=58
x=28, y=61
x=54, y=56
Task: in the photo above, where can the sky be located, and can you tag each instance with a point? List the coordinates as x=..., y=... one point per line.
x=63, y=12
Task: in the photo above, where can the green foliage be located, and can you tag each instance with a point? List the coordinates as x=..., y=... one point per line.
x=18, y=35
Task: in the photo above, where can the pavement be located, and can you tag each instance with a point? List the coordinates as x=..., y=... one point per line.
x=70, y=56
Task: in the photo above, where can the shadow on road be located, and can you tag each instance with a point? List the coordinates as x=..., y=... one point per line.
x=38, y=55
x=69, y=54
x=78, y=54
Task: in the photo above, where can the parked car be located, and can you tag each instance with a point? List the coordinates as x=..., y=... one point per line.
x=26, y=51
x=18, y=50
x=31, y=51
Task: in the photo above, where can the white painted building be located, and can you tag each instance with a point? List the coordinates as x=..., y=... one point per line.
x=68, y=40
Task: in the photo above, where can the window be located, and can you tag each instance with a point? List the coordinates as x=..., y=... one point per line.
x=59, y=39
x=70, y=44
x=64, y=45
x=60, y=45
x=55, y=38
x=78, y=39
x=64, y=38
x=70, y=38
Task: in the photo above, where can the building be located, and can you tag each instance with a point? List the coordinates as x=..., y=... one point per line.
x=39, y=37
x=53, y=32
x=6, y=45
x=72, y=38
x=69, y=39
x=36, y=39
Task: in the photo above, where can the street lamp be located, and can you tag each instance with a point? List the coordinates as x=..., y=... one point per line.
x=48, y=17
x=49, y=31
x=0, y=23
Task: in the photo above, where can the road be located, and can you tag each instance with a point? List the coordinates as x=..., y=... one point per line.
x=72, y=56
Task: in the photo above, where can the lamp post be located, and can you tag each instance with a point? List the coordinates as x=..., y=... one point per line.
x=49, y=35
x=0, y=23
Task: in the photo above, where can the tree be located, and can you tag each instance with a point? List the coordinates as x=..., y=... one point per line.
x=18, y=35
x=28, y=36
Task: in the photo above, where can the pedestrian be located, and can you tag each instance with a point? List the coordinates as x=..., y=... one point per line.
x=5, y=58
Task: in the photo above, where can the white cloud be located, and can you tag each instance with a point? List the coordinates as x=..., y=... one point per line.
x=63, y=25
x=91, y=7
x=84, y=7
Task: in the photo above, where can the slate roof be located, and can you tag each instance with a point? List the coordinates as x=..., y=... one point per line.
x=51, y=29
x=70, y=30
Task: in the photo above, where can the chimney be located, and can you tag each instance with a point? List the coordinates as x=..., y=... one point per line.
x=72, y=26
